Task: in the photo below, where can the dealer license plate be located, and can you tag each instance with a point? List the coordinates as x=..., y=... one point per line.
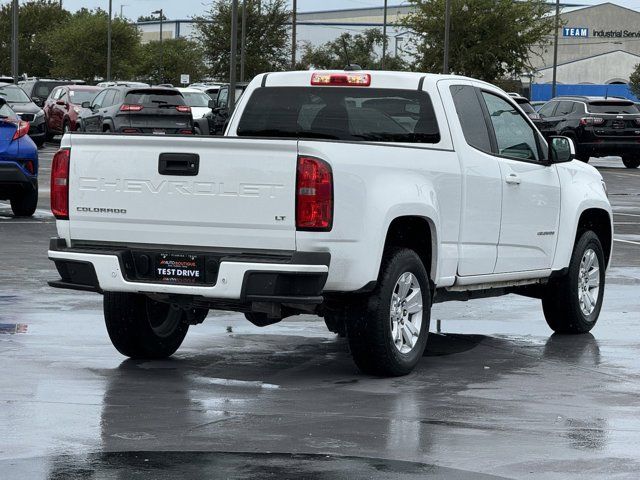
x=179, y=268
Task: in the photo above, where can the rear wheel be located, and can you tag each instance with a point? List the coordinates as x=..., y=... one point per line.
x=66, y=127
x=572, y=303
x=631, y=162
x=140, y=327
x=388, y=329
x=25, y=203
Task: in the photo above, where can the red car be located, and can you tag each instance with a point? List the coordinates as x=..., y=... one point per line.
x=63, y=106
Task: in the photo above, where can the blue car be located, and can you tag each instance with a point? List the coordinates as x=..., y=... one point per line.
x=18, y=163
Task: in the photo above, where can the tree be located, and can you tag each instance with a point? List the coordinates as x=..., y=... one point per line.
x=634, y=81
x=490, y=39
x=359, y=49
x=267, y=37
x=179, y=56
x=151, y=18
x=38, y=18
x=79, y=47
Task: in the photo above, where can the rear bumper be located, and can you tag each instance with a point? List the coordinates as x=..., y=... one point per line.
x=609, y=147
x=297, y=278
x=13, y=179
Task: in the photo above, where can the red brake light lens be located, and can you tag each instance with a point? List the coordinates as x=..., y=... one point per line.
x=126, y=107
x=341, y=79
x=314, y=195
x=21, y=130
x=591, y=121
x=60, y=184
x=183, y=108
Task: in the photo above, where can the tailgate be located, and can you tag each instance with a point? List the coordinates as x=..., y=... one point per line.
x=242, y=196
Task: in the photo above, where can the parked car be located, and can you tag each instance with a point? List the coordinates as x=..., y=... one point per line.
x=18, y=163
x=537, y=105
x=526, y=107
x=27, y=110
x=322, y=202
x=197, y=100
x=599, y=126
x=120, y=83
x=6, y=79
x=63, y=106
x=210, y=89
x=137, y=110
x=39, y=89
x=215, y=121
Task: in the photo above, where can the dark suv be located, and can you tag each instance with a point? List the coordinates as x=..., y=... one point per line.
x=137, y=110
x=599, y=126
x=40, y=88
x=214, y=122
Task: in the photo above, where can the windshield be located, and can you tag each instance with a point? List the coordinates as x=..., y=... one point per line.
x=613, y=107
x=340, y=113
x=155, y=98
x=196, y=99
x=78, y=97
x=6, y=112
x=13, y=94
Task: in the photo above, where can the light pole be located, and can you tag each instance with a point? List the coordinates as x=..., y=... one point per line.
x=447, y=30
x=159, y=12
x=294, y=27
x=109, y=44
x=243, y=40
x=384, y=36
x=555, y=51
x=14, y=42
x=234, y=54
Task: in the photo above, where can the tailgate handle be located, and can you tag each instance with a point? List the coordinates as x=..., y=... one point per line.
x=181, y=164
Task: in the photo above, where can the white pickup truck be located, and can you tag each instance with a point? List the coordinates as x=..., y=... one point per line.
x=360, y=196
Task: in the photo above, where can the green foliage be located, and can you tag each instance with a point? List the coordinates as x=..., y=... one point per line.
x=359, y=49
x=151, y=18
x=179, y=56
x=634, y=81
x=490, y=39
x=79, y=47
x=267, y=37
x=37, y=19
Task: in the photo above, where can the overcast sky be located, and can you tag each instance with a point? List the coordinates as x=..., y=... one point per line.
x=187, y=8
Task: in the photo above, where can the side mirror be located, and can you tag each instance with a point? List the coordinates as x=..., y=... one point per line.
x=561, y=150
x=86, y=105
x=37, y=101
x=212, y=104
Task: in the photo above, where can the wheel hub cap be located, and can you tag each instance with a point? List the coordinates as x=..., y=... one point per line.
x=588, y=282
x=406, y=312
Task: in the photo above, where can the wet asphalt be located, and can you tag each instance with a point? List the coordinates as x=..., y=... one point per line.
x=496, y=395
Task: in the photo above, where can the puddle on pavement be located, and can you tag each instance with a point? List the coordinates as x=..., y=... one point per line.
x=13, y=328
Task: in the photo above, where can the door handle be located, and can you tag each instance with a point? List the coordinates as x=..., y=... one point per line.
x=182, y=164
x=512, y=179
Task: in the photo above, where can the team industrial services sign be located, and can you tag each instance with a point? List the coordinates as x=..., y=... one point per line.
x=583, y=32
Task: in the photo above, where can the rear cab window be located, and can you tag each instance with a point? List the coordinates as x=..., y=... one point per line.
x=340, y=113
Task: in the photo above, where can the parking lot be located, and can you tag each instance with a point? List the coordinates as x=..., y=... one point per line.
x=495, y=393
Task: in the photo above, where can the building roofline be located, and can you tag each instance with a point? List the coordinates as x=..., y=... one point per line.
x=586, y=7
x=590, y=57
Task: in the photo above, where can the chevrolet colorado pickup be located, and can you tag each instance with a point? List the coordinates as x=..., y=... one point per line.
x=362, y=197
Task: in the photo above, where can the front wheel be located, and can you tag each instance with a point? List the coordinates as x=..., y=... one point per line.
x=572, y=302
x=140, y=327
x=25, y=203
x=631, y=162
x=388, y=329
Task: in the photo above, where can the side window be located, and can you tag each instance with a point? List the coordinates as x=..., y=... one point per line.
x=564, y=108
x=109, y=98
x=547, y=109
x=515, y=138
x=223, y=97
x=471, y=116
x=62, y=95
x=54, y=94
x=578, y=108
x=99, y=100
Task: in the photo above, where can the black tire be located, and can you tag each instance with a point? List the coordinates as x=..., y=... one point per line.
x=369, y=328
x=143, y=328
x=583, y=157
x=196, y=131
x=40, y=142
x=631, y=162
x=25, y=204
x=560, y=303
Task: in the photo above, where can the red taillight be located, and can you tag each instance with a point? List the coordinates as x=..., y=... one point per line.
x=183, y=108
x=186, y=132
x=129, y=130
x=126, y=107
x=314, y=195
x=591, y=121
x=22, y=128
x=341, y=79
x=60, y=184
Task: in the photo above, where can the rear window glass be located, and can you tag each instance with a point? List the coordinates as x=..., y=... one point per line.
x=613, y=107
x=340, y=113
x=154, y=98
x=78, y=97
